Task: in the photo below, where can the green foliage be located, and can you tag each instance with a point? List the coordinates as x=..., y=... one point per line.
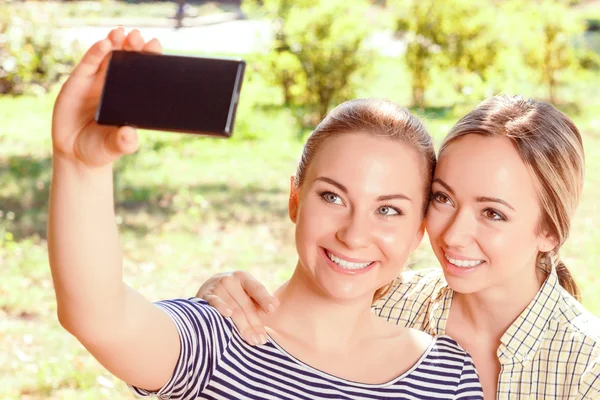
x=453, y=36
x=549, y=31
x=318, y=53
x=32, y=59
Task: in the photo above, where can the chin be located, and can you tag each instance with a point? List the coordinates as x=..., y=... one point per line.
x=461, y=285
x=465, y=284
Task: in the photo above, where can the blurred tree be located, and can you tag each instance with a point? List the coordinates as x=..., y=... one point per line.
x=31, y=58
x=317, y=54
x=550, y=29
x=417, y=23
x=454, y=36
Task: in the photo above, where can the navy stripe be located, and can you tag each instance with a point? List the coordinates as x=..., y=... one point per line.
x=215, y=363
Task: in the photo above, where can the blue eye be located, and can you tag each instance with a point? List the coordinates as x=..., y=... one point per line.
x=388, y=211
x=331, y=197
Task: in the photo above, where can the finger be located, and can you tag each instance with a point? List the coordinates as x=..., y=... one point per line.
x=134, y=41
x=247, y=331
x=210, y=285
x=123, y=141
x=93, y=58
x=238, y=317
x=247, y=307
x=259, y=293
x=116, y=36
x=153, y=46
x=219, y=305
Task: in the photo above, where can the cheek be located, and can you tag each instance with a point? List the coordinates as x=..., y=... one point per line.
x=396, y=239
x=512, y=242
x=435, y=223
x=314, y=220
x=495, y=242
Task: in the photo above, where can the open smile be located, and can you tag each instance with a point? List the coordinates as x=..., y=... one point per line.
x=463, y=263
x=459, y=265
x=346, y=265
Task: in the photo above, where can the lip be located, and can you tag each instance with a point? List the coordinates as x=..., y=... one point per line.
x=459, y=271
x=341, y=270
x=343, y=257
x=456, y=256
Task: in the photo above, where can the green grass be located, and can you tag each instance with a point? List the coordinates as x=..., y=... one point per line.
x=190, y=207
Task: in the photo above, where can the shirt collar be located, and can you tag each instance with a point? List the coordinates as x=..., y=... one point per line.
x=522, y=338
x=438, y=313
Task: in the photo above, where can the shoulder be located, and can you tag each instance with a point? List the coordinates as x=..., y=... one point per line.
x=195, y=315
x=444, y=344
x=204, y=335
x=574, y=320
x=446, y=352
x=191, y=305
x=447, y=358
x=453, y=363
x=574, y=332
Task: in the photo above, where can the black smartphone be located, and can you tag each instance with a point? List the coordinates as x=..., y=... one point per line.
x=171, y=93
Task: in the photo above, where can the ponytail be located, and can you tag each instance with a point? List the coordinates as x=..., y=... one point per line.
x=547, y=260
x=566, y=280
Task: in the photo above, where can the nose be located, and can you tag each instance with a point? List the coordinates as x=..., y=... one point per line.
x=354, y=232
x=459, y=230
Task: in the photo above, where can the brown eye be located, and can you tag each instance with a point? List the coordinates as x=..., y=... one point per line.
x=494, y=215
x=441, y=198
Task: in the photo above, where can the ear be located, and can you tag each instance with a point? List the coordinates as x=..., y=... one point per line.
x=547, y=242
x=419, y=236
x=293, y=200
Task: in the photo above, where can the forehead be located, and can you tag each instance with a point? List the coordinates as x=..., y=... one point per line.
x=366, y=163
x=476, y=165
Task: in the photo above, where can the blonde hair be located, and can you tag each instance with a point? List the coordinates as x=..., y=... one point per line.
x=551, y=147
x=380, y=118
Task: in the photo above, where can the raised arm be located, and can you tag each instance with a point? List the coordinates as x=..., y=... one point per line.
x=132, y=338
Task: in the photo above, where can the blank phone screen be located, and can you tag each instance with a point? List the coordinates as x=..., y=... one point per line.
x=185, y=94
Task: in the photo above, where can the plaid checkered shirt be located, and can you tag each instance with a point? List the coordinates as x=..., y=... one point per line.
x=551, y=351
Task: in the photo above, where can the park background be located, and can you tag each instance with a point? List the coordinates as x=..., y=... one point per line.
x=190, y=207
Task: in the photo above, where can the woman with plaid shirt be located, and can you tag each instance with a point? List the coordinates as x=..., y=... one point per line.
x=507, y=183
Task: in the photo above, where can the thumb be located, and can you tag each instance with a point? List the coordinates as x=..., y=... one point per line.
x=123, y=141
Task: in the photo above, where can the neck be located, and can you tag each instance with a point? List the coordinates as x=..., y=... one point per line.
x=492, y=311
x=310, y=316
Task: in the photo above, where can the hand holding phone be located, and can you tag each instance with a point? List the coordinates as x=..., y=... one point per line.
x=171, y=93
x=77, y=139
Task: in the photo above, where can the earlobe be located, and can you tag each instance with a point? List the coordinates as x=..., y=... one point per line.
x=548, y=243
x=293, y=201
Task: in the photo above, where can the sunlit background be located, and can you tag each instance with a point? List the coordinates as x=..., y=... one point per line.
x=189, y=207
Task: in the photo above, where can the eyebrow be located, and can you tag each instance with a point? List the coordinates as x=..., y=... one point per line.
x=480, y=199
x=485, y=199
x=343, y=188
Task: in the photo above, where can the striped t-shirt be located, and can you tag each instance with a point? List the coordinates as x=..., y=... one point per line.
x=216, y=363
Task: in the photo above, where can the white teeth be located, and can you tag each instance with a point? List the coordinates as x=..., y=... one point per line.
x=346, y=264
x=463, y=263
